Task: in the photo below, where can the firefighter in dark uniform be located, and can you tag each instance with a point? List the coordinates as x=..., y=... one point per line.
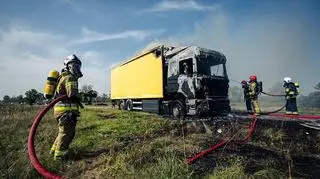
x=253, y=91
x=246, y=95
x=67, y=111
x=291, y=91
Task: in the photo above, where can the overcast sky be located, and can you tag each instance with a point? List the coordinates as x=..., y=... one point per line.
x=271, y=39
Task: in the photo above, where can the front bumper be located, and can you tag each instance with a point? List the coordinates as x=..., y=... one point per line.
x=212, y=106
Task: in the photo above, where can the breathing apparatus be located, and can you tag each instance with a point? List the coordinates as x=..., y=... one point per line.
x=51, y=84
x=71, y=64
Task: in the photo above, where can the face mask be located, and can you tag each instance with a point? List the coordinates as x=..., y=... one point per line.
x=75, y=69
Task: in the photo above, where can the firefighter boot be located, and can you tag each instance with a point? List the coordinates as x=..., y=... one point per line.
x=60, y=155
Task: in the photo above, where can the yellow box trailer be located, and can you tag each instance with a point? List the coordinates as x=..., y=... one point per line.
x=139, y=78
x=178, y=81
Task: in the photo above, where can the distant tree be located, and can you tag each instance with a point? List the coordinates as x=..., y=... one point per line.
x=84, y=97
x=91, y=95
x=102, y=98
x=317, y=87
x=6, y=99
x=277, y=88
x=312, y=100
x=88, y=94
x=20, y=99
x=105, y=97
x=86, y=88
x=33, y=96
x=236, y=94
x=13, y=99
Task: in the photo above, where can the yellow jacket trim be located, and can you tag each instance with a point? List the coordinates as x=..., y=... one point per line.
x=65, y=108
x=60, y=153
x=72, y=83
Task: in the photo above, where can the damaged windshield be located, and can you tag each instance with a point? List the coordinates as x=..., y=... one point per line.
x=210, y=67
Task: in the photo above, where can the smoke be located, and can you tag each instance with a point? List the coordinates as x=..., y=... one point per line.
x=270, y=46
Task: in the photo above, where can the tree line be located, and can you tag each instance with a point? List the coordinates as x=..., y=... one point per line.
x=32, y=96
x=310, y=100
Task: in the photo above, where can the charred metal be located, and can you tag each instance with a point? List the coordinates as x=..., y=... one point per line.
x=195, y=82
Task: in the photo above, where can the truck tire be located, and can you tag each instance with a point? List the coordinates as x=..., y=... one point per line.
x=129, y=105
x=178, y=110
x=122, y=105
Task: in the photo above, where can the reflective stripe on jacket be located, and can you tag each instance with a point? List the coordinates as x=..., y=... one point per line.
x=67, y=85
x=252, y=87
x=59, y=107
x=291, y=90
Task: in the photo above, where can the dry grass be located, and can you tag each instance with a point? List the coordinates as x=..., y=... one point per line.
x=115, y=144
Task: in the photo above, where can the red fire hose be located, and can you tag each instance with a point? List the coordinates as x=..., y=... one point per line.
x=31, y=151
x=224, y=142
x=251, y=130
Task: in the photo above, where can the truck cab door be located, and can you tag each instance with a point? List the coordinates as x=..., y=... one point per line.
x=185, y=78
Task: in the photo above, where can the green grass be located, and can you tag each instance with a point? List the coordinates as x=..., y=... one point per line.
x=116, y=144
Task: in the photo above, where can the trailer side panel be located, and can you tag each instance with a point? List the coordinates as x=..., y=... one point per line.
x=138, y=79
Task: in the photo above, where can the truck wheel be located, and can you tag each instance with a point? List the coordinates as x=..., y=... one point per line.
x=129, y=105
x=121, y=105
x=178, y=110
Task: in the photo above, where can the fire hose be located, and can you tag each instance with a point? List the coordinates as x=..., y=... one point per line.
x=31, y=149
x=264, y=113
x=223, y=143
x=268, y=94
x=287, y=115
x=251, y=129
x=47, y=174
x=275, y=111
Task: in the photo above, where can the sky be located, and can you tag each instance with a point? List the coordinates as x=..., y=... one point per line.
x=272, y=39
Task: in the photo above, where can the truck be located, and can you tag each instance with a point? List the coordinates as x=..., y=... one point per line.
x=178, y=81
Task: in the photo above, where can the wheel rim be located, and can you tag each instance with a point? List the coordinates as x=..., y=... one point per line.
x=128, y=105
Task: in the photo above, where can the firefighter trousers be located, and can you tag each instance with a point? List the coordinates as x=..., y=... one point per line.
x=248, y=105
x=291, y=106
x=67, y=125
x=255, y=105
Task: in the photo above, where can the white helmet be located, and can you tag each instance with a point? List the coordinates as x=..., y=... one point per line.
x=71, y=59
x=287, y=80
x=73, y=64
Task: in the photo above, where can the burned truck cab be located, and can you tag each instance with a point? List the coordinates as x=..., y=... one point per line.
x=197, y=81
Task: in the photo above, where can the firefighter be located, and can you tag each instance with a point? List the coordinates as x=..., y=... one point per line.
x=253, y=92
x=246, y=95
x=291, y=92
x=66, y=112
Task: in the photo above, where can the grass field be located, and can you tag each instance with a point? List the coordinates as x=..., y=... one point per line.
x=116, y=144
